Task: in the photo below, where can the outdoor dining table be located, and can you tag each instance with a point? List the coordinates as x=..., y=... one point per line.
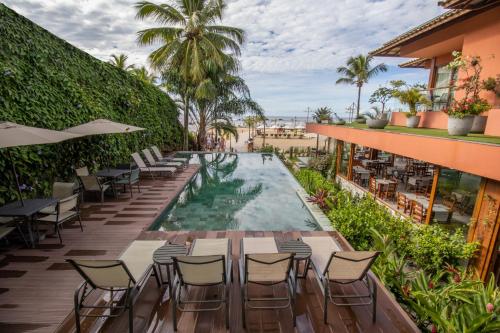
x=440, y=211
x=112, y=173
x=27, y=211
x=412, y=180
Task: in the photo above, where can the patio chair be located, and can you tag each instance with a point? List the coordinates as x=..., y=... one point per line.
x=418, y=212
x=151, y=161
x=151, y=170
x=402, y=202
x=66, y=210
x=261, y=264
x=132, y=178
x=161, y=158
x=208, y=265
x=83, y=171
x=124, y=279
x=5, y=227
x=60, y=191
x=92, y=183
x=334, y=266
x=389, y=192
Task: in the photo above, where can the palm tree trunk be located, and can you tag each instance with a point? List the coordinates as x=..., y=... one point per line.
x=359, y=99
x=186, y=122
x=202, y=132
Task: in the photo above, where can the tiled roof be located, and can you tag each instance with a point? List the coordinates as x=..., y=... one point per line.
x=466, y=4
x=415, y=63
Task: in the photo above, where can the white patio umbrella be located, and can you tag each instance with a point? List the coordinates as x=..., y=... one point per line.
x=102, y=126
x=15, y=135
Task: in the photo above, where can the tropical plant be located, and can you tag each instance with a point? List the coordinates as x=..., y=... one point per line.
x=358, y=71
x=382, y=95
x=377, y=113
x=144, y=75
x=322, y=114
x=411, y=96
x=120, y=61
x=492, y=84
x=322, y=199
x=321, y=164
x=191, y=41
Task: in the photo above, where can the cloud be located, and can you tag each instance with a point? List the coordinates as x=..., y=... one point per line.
x=292, y=47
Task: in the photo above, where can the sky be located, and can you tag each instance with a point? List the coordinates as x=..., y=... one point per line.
x=292, y=47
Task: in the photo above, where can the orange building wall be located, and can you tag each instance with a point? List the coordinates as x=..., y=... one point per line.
x=435, y=119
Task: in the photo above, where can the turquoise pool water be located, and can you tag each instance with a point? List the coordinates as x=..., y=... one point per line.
x=248, y=191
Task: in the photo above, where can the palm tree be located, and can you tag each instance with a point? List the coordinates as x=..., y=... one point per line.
x=120, y=61
x=191, y=40
x=144, y=75
x=358, y=71
x=323, y=113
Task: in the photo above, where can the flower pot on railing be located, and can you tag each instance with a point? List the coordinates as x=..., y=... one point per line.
x=479, y=124
x=339, y=122
x=377, y=123
x=460, y=126
x=412, y=121
x=360, y=120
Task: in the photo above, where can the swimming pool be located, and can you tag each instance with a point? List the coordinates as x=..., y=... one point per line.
x=248, y=191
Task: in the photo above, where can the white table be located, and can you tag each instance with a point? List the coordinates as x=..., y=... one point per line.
x=412, y=180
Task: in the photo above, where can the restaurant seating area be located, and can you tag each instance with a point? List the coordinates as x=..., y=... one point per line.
x=405, y=185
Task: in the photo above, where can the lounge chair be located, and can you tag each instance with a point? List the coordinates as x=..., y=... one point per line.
x=151, y=161
x=66, y=210
x=124, y=279
x=208, y=265
x=83, y=171
x=160, y=157
x=132, y=178
x=151, y=170
x=334, y=266
x=261, y=264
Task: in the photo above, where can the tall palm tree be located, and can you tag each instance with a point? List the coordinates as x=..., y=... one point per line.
x=191, y=40
x=120, y=61
x=358, y=71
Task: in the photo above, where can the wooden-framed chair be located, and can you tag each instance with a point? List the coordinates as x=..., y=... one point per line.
x=389, y=192
x=418, y=212
x=402, y=202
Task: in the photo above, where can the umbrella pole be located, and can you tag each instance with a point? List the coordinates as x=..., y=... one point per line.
x=15, y=176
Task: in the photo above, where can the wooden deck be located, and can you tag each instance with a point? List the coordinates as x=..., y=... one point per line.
x=36, y=285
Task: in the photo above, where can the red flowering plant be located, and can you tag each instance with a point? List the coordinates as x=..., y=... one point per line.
x=471, y=84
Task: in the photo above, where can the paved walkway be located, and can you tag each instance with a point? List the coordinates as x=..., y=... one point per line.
x=37, y=286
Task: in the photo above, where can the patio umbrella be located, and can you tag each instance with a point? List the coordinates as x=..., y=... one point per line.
x=15, y=135
x=102, y=126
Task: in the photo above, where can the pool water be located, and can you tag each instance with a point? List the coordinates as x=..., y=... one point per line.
x=248, y=191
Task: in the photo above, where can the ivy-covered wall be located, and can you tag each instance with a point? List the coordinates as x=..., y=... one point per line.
x=46, y=82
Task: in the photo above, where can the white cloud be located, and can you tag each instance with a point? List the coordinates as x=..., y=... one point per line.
x=292, y=47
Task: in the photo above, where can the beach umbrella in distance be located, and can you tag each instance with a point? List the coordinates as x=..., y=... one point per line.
x=102, y=126
x=15, y=135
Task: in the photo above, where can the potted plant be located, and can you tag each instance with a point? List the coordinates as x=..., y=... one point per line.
x=467, y=111
x=411, y=96
x=322, y=115
x=360, y=120
x=377, y=119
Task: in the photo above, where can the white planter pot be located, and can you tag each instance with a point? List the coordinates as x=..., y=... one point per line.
x=412, y=121
x=377, y=123
x=324, y=121
x=457, y=126
x=479, y=124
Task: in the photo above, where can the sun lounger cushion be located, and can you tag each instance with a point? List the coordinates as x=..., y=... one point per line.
x=210, y=247
x=259, y=245
x=322, y=248
x=139, y=256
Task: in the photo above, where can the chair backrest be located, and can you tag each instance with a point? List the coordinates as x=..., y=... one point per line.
x=62, y=190
x=417, y=211
x=138, y=160
x=201, y=270
x=67, y=204
x=83, y=171
x=157, y=152
x=90, y=182
x=267, y=267
x=401, y=199
x=373, y=185
x=350, y=265
x=104, y=274
x=135, y=174
x=149, y=157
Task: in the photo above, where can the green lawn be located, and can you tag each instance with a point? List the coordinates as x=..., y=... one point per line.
x=441, y=133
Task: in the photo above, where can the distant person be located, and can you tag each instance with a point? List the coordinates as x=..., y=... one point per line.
x=250, y=145
x=209, y=143
x=222, y=144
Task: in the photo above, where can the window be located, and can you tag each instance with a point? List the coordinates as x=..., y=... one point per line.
x=441, y=94
x=455, y=198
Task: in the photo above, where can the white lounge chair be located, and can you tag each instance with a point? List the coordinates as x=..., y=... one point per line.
x=151, y=170
x=261, y=264
x=124, y=279
x=151, y=161
x=332, y=265
x=209, y=264
x=160, y=157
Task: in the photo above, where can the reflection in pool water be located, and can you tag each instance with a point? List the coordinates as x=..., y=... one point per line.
x=238, y=192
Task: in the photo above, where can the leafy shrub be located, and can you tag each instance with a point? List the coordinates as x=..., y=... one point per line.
x=312, y=181
x=46, y=82
x=321, y=164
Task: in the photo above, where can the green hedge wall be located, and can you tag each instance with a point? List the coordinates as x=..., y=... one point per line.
x=46, y=82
